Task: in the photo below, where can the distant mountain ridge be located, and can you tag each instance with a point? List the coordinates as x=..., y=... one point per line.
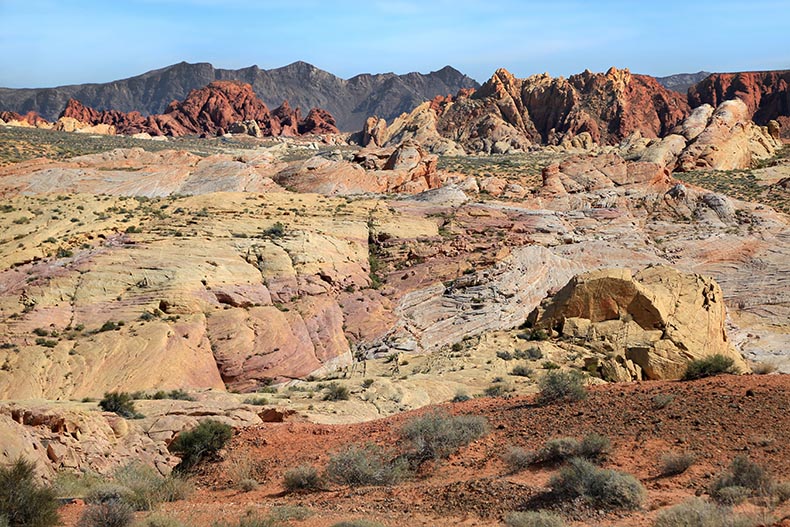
x=351, y=101
x=681, y=82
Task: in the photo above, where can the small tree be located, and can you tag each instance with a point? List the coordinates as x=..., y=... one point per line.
x=203, y=441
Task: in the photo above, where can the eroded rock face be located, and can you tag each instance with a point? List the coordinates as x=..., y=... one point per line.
x=708, y=139
x=659, y=318
x=212, y=110
x=765, y=93
x=30, y=119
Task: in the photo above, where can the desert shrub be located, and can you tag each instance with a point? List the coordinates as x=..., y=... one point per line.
x=70, y=484
x=245, y=472
x=159, y=520
x=108, y=493
x=107, y=515
x=518, y=459
x=358, y=523
x=781, y=491
x=358, y=466
x=460, y=396
x=607, y=489
x=437, y=435
x=367, y=383
x=177, y=394
x=201, y=442
x=3, y=521
x=521, y=370
x=22, y=501
x=558, y=449
x=699, y=513
x=286, y=513
x=733, y=495
x=504, y=355
x=303, y=477
x=763, y=368
x=336, y=392
x=594, y=447
x=120, y=403
x=247, y=485
x=561, y=386
x=256, y=401
x=498, y=389
x=534, y=519
x=275, y=231
x=662, y=400
x=677, y=463
x=709, y=366
x=741, y=473
x=108, y=326
x=251, y=519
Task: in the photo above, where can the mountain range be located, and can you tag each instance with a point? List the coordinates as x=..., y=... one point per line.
x=303, y=85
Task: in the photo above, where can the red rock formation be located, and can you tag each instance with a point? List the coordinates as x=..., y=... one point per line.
x=209, y=111
x=31, y=118
x=766, y=94
x=318, y=121
x=541, y=109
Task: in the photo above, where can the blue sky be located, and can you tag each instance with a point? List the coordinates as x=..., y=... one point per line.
x=55, y=42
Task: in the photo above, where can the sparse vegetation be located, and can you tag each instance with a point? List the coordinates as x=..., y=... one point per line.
x=676, y=463
x=120, y=403
x=437, y=435
x=521, y=370
x=256, y=401
x=114, y=514
x=556, y=386
x=518, y=459
x=699, y=513
x=336, y=392
x=358, y=466
x=743, y=477
x=302, y=478
x=603, y=488
x=200, y=443
x=23, y=502
x=709, y=366
x=534, y=519
x=358, y=523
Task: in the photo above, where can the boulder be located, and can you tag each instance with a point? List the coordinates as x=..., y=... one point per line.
x=659, y=318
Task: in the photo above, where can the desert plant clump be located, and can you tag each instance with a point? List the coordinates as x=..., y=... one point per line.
x=120, y=403
x=534, y=519
x=460, y=396
x=556, y=386
x=203, y=441
x=360, y=466
x=717, y=364
x=518, y=459
x=437, y=435
x=358, y=523
x=23, y=501
x=336, y=392
x=114, y=514
x=743, y=478
x=302, y=478
x=699, y=513
x=673, y=464
x=603, y=488
x=521, y=370
x=159, y=520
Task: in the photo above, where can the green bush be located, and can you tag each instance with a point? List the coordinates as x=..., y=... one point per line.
x=336, y=392
x=709, y=366
x=534, y=519
x=251, y=519
x=203, y=441
x=22, y=501
x=303, y=477
x=521, y=370
x=699, y=513
x=606, y=489
x=460, y=396
x=558, y=385
x=673, y=464
x=159, y=520
x=108, y=493
x=741, y=473
x=120, y=403
x=107, y=515
x=358, y=466
x=437, y=435
x=593, y=447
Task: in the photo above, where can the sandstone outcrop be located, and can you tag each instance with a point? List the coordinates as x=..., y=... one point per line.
x=212, y=110
x=765, y=93
x=29, y=120
x=406, y=169
x=720, y=139
x=658, y=319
